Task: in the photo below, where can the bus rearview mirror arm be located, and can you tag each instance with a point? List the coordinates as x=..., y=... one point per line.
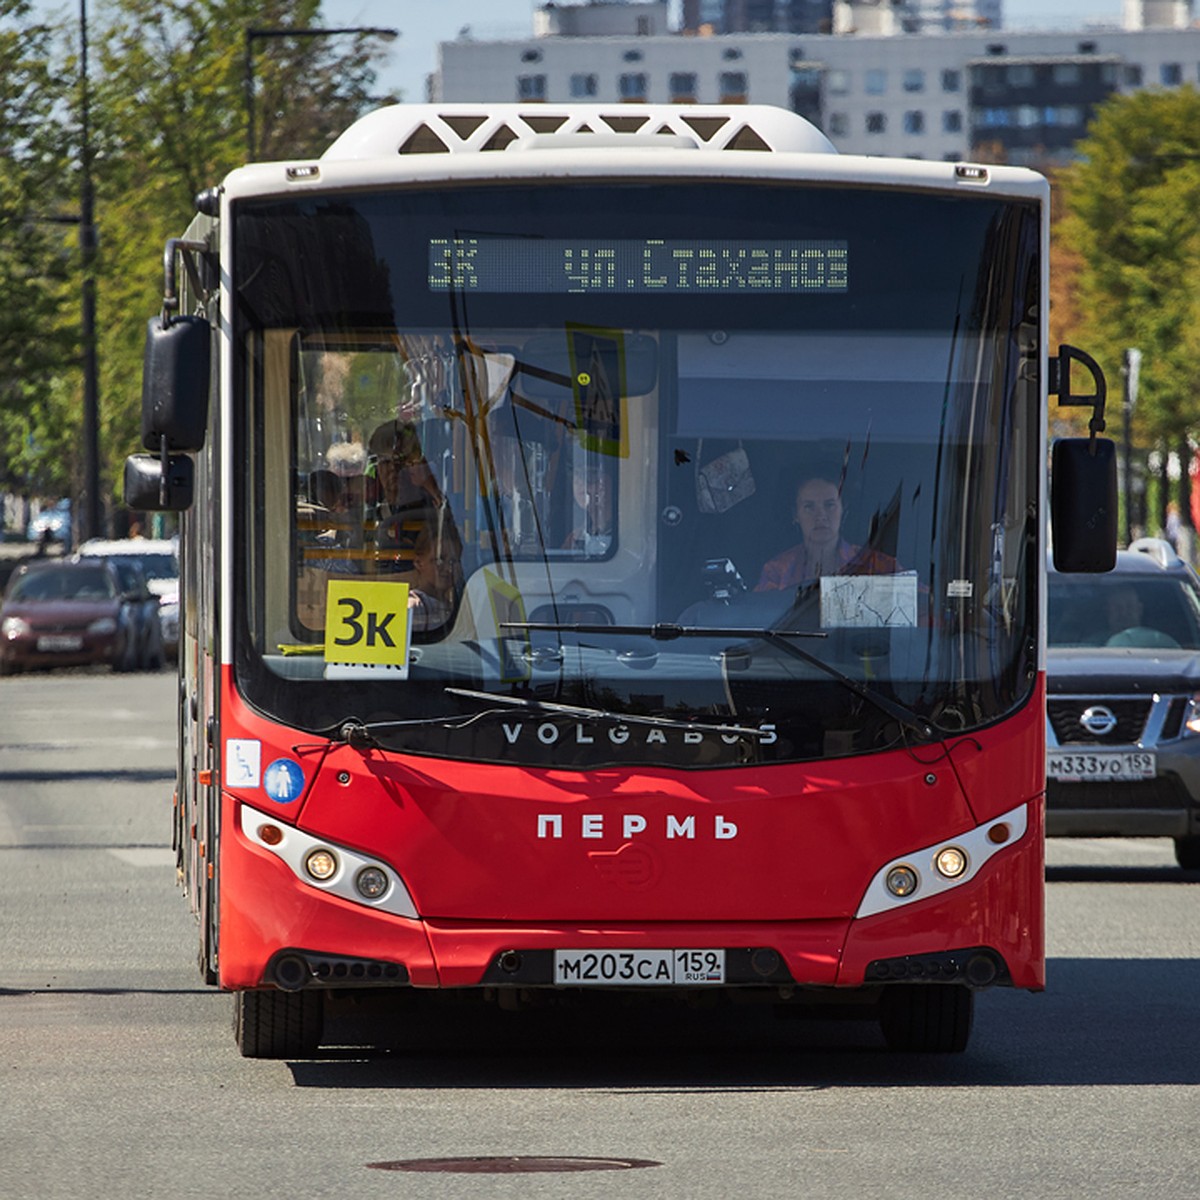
x=1060, y=385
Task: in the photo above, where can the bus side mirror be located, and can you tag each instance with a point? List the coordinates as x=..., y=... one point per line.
x=175, y=383
x=1083, y=504
x=149, y=489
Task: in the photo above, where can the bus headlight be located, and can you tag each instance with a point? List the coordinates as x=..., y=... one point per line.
x=901, y=881
x=321, y=864
x=950, y=862
x=371, y=882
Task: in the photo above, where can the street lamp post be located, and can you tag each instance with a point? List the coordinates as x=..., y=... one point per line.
x=87, y=253
x=254, y=35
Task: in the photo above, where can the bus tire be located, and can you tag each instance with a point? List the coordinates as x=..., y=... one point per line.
x=275, y=1024
x=930, y=1018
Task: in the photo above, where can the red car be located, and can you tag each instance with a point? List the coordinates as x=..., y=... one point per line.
x=60, y=614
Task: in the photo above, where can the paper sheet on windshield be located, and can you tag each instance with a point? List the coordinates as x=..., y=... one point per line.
x=869, y=601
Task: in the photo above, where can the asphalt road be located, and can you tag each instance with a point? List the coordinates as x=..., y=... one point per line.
x=120, y=1077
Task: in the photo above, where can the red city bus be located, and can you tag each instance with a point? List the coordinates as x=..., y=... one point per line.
x=613, y=558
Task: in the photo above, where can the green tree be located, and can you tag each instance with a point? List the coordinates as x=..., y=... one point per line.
x=1131, y=202
x=170, y=110
x=39, y=316
x=167, y=91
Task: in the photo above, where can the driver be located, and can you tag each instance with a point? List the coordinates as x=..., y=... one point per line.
x=1123, y=609
x=821, y=550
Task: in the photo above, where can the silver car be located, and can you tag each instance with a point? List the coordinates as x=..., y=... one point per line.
x=1123, y=703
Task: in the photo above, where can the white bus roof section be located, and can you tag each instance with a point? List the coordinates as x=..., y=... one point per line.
x=473, y=128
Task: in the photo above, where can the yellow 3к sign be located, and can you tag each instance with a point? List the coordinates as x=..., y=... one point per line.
x=366, y=622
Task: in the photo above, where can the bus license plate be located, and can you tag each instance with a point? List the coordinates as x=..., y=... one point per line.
x=638, y=968
x=1077, y=768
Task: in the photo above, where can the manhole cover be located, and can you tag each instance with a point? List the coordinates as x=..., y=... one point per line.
x=518, y=1165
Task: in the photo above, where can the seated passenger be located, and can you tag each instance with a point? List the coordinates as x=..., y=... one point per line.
x=821, y=550
x=434, y=575
x=406, y=484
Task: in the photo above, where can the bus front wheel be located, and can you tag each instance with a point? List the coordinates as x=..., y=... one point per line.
x=928, y=1018
x=275, y=1024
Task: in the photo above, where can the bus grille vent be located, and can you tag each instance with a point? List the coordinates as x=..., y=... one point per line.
x=472, y=128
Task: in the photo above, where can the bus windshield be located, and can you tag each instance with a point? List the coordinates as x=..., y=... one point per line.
x=689, y=474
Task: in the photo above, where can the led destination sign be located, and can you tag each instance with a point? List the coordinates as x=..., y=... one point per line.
x=570, y=265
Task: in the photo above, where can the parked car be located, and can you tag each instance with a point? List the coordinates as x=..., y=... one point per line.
x=57, y=614
x=1123, y=704
x=51, y=524
x=160, y=562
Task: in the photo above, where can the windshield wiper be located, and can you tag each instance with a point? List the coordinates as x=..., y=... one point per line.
x=579, y=710
x=776, y=637
x=660, y=631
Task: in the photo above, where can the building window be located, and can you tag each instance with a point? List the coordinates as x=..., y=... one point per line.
x=682, y=86
x=1171, y=74
x=914, y=121
x=643, y=27
x=1020, y=76
x=1133, y=75
x=838, y=82
x=632, y=86
x=632, y=56
x=914, y=80
x=583, y=85
x=733, y=87
x=731, y=55
x=952, y=121
x=531, y=56
x=995, y=118
x=1028, y=116
x=876, y=122
x=531, y=87
x=951, y=81
x=876, y=82
x=1066, y=74
x=839, y=125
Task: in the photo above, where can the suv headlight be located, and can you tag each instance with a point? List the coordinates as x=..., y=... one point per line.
x=14, y=627
x=1191, y=717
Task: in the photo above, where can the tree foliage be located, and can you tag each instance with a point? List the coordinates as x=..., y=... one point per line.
x=1131, y=205
x=168, y=101
x=38, y=339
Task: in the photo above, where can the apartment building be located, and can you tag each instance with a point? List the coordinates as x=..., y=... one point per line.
x=995, y=94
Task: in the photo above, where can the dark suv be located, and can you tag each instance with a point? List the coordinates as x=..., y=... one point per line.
x=1123, y=710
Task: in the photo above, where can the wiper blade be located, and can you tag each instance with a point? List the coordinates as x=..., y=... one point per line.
x=660, y=631
x=776, y=637
x=579, y=710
